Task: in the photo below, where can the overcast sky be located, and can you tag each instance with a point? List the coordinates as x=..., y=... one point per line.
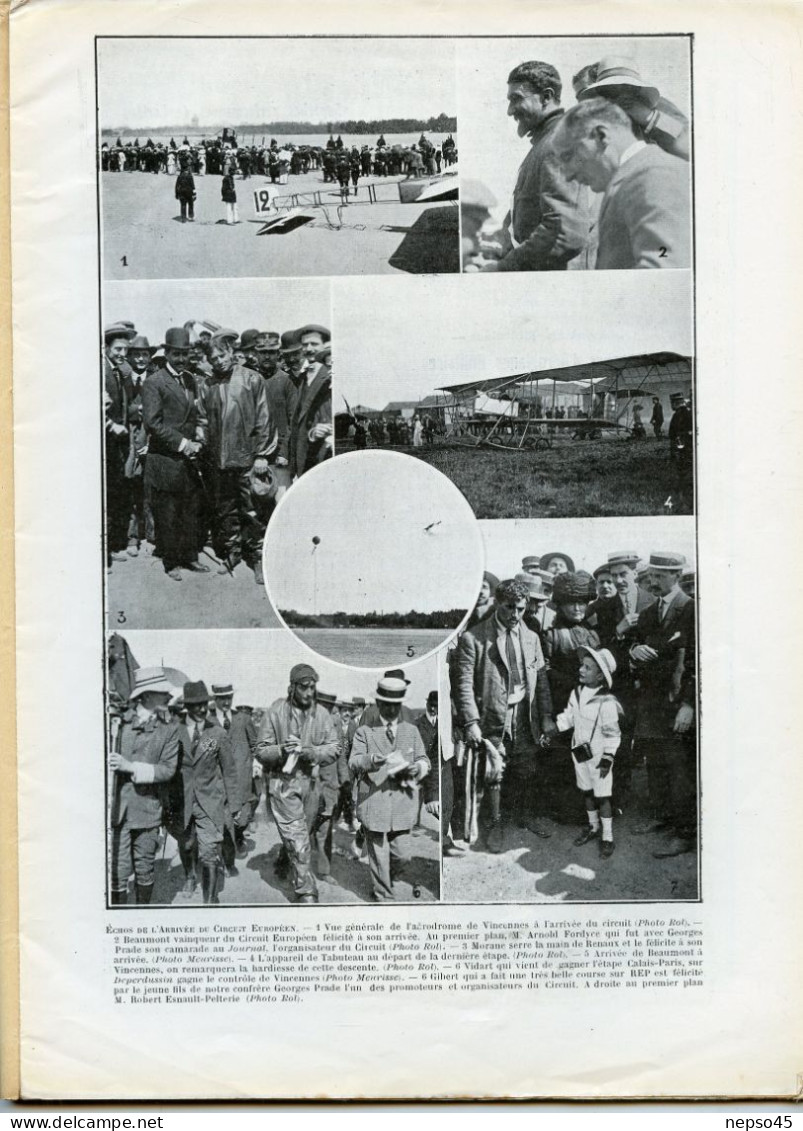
x=230, y=82
x=237, y=304
x=587, y=543
x=370, y=511
x=259, y=663
x=432, y=332
x=490, y=149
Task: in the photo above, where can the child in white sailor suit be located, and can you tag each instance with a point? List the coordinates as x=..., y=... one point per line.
x=592, y=713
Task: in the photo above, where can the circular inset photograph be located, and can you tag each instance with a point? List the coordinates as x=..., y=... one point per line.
x=373, y=559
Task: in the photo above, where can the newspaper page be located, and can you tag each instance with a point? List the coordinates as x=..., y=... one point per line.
x=405, y=461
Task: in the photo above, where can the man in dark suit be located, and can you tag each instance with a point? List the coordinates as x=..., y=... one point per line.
x=549, y=225
x=504, y=704
x=311, y=426
x=208, y=784
x=118, y=487
x=664, y=661
x=174, y=425
x=241, y=736
x=616, y=620
x=645, y=215
x=657, y=418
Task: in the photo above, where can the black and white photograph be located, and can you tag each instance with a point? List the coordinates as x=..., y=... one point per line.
x=373, y=559
x=241, y=774
x=570, y=773
x=576, y=403
x=277, y=157
x=217, y=398
x=576, y=153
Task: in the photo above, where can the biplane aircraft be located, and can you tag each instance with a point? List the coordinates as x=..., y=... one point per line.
x=591, y=401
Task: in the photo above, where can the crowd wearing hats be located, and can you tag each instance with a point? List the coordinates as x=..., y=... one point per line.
x=187, y=764
x=621, y=140
x=563, y=684
x=392, y=431
x=339, y=163
x=204, y=434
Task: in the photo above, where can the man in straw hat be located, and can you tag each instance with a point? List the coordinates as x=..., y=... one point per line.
x=240, y=442
x=655, y=119
x=295, y=736
x=504, y=704
x=146, y=759
x=592, y=715
x=202, y=803
x=116, y=339
x=645, y=215
x=390, y=761
x=175, y=433
x=663, y=656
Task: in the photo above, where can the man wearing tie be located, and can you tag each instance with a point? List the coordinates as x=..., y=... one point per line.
x=663, y=658
x=175, y=428
x=197, y=805
x=617, y=618
x=241, y=735
x=391, y=762
x=503, y=702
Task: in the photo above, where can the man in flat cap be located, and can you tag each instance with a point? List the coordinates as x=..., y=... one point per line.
x=331, y=778
x=311, y=425
x=503, y=703
x=390, y=762
x=294, y=737
x=144, y=759
x=116, y=339
x=664, y=660
x=240, y=442
x=645, y=215
x=549, y=225
x=313, y=339
x=175, y=427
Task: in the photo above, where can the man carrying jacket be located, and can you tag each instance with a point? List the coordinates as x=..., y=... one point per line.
x=504, y=704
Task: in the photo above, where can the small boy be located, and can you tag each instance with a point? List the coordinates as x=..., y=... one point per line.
x=592, y=714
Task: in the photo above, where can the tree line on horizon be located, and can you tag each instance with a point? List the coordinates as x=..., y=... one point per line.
x=441, y=618
x=443, y=123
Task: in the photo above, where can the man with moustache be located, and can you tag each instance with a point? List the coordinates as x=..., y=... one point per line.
x=207, y=786
x=116, y=340
x=504, y=705
x=140, y=367
x=281, y=393
x=175, y=427
x=294, y=737
x=548, y=227
x=645, y=215
x=311, y=425
x=240, y=442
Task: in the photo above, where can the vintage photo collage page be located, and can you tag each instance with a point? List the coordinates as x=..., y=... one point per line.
x=398, y=441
